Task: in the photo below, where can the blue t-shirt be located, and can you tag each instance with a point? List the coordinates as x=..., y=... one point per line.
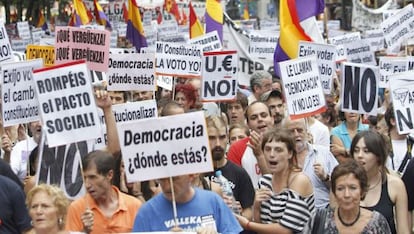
x=341, y=132
x=204, y=209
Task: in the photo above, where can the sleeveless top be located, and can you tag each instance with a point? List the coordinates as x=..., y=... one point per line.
x=385, y=207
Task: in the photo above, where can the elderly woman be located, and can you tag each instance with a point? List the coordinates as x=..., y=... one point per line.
x=349, y=185
x=284, y=201
x=185, y=95
x=385, y=193
x=47, y=206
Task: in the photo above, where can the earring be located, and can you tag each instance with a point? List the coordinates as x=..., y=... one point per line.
x=31, y=223
x=60, y=221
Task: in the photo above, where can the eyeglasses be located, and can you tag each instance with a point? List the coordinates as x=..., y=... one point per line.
x=298, y=130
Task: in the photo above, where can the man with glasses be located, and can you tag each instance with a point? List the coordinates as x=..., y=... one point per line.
x=316, y=161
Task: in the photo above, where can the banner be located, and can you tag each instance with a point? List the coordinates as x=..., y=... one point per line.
x=47, y=53
x=78, y=43
x=359, y=86
x=175, y=59
x=397, y=28
x=131, y=72
x=392, y=65
x=402, y=94
x=303, y=90
x=166, y=146
x=19, y=102
x=325, y=55
x=359, y=52
x=67, y=104
x=219, y=76
x=364, y=18
x=262, y=43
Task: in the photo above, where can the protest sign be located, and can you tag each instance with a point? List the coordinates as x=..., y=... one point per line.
x=209, y=41
x=397, y=28
x=67, y=105
x=127, y=112
x=60, y=166
x=19, y=102
x=389, y=66
x=166, y=146
x=325, y=55
x=302, y=86
x=20, y=44
x=24, y=30
x=339, y=41
x=359, y=52
x=47, y=53
x=131, y=72
x=374, y=38
x=165, y=82
x=79, y=43
x=263, y=43
x=402, y=94
x=5, y=47
x=219, y=76
x=167, y=27
x=175, y=59
x=359, y=85
x=364, y=18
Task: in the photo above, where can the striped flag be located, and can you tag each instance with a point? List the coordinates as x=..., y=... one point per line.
x=246, y=15
x=214, y=17
x=196, y=29
x=100, y=16
x=41, y=22
x=135, y=30
x=81, y=14
x=291, y=14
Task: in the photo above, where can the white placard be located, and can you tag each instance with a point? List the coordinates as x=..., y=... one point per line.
x=219, y=76
x=24, y=30
x=131, y=72
x=339, y=41
x=359, y=52
x=175, y=59
x=397, y=28
x=19, y=102
x=359, y=85
x=389, y=66
x=165, y=82
x=167, y=27
x=209, y=41
x=262, y=43
x=166, y=146
x=325, y=55
x=402, y=94
x=67, y=104
x=302, y=87
x=375, y=38
x=5, y=47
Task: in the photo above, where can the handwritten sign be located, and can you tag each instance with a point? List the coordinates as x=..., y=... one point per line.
x=402, y=94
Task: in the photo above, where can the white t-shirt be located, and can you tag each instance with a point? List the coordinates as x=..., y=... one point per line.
x=20, y=155
x=399, y=148
x=320, y=133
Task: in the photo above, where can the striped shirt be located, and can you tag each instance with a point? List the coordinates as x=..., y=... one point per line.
x=288, y=208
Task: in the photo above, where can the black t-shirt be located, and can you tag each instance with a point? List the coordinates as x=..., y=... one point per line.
x=408, y=178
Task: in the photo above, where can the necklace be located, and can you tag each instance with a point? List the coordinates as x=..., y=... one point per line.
x=376, y=184
x=351, y=223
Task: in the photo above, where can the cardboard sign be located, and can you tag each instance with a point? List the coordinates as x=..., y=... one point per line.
x=325, y=55
x=24, y=30
x=165, y=82
x=359, y=88
x=389, y=66
x=209, y=41
x=402, y=94
x=166, y=146
x=67, y=104
x=61, y=166
x=219, y=76
x=78, y=43
x=262, y=43
x=359, y=52
x=175, y=59
x=339, y=41
x=374, y=38
x=19, y=102
x=302, y=87
x=47, y=53
x=127, y=112
x=5, y=47
x=397, y=28
x=131, y=72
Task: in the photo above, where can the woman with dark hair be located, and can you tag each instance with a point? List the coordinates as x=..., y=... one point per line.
x=284, y=201
x=349, y=185
x=386, y=192
x=185, y=96
x=342, y=135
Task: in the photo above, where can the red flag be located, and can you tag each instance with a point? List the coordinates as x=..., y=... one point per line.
x=184, y=20
x=160, y=17
x=171, y=7
x=125, y=12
